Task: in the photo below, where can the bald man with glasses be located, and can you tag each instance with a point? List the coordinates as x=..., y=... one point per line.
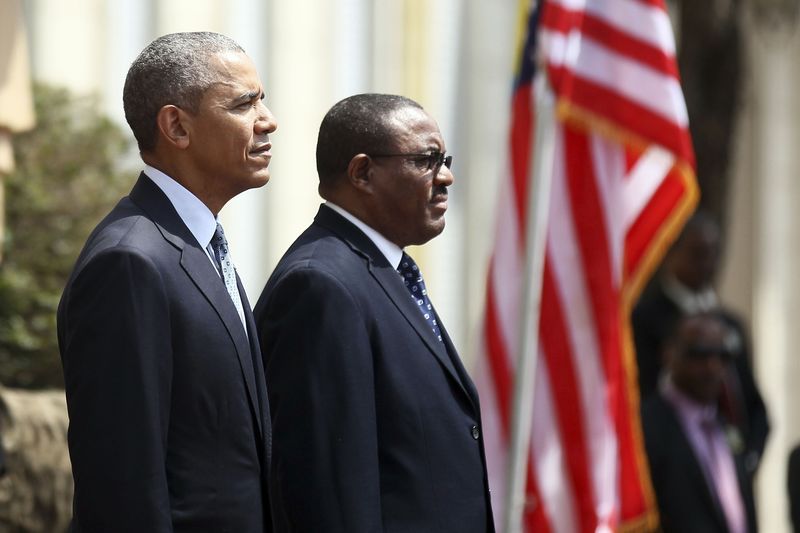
x=376, y=422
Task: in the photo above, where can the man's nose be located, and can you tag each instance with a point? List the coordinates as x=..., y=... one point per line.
x=265, y=123
x=444, y=176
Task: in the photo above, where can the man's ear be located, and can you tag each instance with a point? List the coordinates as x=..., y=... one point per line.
x=172, y=123
x=359, y=172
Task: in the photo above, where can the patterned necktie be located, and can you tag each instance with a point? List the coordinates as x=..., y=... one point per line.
x=412, y=277
x=219, y=245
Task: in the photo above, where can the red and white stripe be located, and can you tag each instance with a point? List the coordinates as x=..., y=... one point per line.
x=622, y=184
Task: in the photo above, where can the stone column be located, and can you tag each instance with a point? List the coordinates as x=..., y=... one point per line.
x=761, y=275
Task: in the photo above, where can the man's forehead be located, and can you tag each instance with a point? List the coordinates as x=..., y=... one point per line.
x=415, y=124
x=233, y=68
x=409, y=114
x=238, y=87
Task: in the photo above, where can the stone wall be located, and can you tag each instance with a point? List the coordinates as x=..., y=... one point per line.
x=36, y=490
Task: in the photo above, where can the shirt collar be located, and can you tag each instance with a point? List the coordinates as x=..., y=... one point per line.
x=392, y=252
x=194, y=213
x=689, y=301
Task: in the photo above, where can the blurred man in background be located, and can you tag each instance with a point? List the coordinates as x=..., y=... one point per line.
x=685, y=287
x=697, y=470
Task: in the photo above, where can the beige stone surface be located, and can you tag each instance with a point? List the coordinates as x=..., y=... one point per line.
x=16, y=100
x=36, y=491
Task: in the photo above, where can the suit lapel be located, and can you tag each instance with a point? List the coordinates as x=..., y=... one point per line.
x=258, y=369
x=392, y=284
x=198, y=267
x=466, y=381
x=696, y=470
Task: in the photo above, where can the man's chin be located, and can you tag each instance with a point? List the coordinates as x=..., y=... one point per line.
x=434, y=229
x=260, y=179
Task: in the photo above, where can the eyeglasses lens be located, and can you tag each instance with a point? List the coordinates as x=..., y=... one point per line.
x=437, y=159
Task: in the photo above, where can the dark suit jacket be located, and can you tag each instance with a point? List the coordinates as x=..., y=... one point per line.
x=168, y=410
x=653, y=320
x=685, y=501
x=377, y=425
x=793, y=484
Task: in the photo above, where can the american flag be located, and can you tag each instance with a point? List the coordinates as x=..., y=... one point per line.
x=622, y=185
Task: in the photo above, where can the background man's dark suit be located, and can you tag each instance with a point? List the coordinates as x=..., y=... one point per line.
x=384, y=419
x=685, y=502
x=170, y=378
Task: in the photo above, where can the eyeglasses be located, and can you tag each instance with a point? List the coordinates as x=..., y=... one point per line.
x=433, y=160
x=700, y=352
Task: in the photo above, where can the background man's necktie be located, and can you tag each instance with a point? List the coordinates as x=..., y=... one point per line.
x=416, y=286
x=722, y=471
x=219, y=245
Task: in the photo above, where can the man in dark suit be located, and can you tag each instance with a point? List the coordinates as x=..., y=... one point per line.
x=685, y=287
x=169, y=427
x=700, y=481
x=376, y=423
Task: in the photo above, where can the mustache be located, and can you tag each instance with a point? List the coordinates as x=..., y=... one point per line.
x=439, y=190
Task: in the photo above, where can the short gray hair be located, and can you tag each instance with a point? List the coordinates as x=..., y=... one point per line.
x=174, y=69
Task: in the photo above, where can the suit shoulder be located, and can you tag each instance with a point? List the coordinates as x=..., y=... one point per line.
x=324, y=253
x=126, y=224
x=119, y=260
x=124, y=232
x=315, y=267
x=303, y=289
x=309, y=278
x=113, y=273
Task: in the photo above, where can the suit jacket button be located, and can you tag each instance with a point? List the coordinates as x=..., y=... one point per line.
x=475, y=433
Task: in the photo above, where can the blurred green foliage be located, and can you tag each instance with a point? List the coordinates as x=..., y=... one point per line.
x=67, y=178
